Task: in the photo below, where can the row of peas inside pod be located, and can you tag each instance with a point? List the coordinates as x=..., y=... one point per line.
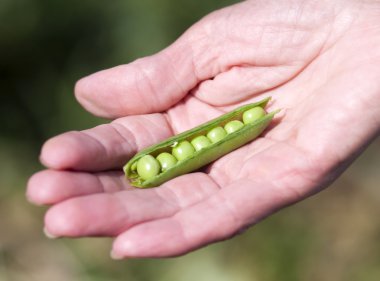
x=148, y=166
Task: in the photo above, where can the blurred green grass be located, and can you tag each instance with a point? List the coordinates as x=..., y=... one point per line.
x=45, y=46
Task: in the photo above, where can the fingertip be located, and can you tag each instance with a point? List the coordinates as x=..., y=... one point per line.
x=103, y=93
x=115, y=256
x=50, y=186
x=161, y=238
x=123, y=248
x=147, y=85
x=36, y=191
x=86, y=91
x=118, y=253
x=31, y=191
x=80, y=92
x=80, y=88
x=48, y=234
x=60, y=152
x=61, y=220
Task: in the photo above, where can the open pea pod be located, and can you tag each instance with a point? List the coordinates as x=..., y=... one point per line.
x=204, y=156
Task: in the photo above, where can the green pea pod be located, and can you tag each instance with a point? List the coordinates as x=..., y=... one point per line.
x=204, y=156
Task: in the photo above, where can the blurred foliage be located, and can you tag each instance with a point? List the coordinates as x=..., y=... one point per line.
x=45, y=46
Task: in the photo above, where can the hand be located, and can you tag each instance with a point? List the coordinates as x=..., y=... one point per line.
x=319, y=60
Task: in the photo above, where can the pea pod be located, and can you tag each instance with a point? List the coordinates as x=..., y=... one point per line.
x=202, y=156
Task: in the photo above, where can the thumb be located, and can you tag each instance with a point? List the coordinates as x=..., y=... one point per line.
x=147, y=85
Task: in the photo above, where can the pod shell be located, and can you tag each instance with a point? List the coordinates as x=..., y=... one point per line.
x=205, y=156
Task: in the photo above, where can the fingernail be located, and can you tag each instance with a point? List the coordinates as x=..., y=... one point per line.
x=116, y=256
x=49, y=235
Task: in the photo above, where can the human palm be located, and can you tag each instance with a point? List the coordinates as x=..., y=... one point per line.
x=320, y=62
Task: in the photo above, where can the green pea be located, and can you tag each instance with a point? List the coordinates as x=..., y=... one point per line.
x=142, y=171
x=134, y=166
x=200, y=142
x=233, y=126
x=166, y=160
x=216, y=134
x=253, y=114
x=148, y=167
x=183, y=150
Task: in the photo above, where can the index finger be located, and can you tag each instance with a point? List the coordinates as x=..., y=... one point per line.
x=106, y=146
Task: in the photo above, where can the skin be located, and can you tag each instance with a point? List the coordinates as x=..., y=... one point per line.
x=320, y=62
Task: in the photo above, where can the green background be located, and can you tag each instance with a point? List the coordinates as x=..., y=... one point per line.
x=45, y=46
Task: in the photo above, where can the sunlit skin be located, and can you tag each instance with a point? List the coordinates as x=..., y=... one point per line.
x=319, y=60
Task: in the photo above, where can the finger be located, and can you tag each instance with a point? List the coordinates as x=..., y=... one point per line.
x=50, y=186
x=242, y=83
x=223, y=215
x=148, y=85
x=212, y=46
x=109, y=214
x=155, y=83
x=176, y=235
x=260, y=186
x=104, y=147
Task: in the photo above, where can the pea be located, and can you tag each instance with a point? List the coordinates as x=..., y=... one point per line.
x=183, y=150
x=166, y=160
x=253, y=114
x=233, y=126
x=134, y=166
x=200, y=142
x=151, y=172
x=148, y=167
x=216, y=134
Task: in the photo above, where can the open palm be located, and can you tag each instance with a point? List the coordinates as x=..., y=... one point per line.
x=319, y=60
